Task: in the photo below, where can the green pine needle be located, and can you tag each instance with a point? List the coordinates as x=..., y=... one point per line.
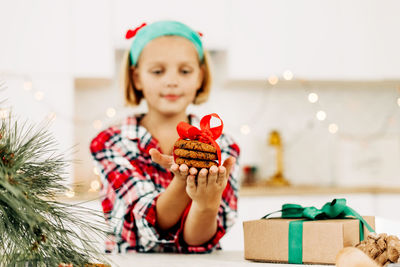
x=34, y=227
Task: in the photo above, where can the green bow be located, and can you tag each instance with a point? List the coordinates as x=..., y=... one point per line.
x=336, y=209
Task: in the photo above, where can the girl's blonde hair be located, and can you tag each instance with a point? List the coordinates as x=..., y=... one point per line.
x=133, y=96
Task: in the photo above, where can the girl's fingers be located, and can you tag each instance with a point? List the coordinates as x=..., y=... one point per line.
x=184, y=170
x=228, y=164
x=180, y=171
x=212, y=175
x=190, y=185
x=193, y=171
x=175, y=168
x=222, y=175
x=202, y=180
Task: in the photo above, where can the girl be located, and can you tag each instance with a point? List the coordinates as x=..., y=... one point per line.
x=151, y=203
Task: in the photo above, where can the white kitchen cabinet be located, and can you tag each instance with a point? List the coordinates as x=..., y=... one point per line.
x=35, y=37
x=93, y=51
x=338, y=40
x=57, y=38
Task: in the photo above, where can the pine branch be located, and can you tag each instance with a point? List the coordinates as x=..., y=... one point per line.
x=34, y=226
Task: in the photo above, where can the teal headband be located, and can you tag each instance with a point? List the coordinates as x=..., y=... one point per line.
x=161, y=28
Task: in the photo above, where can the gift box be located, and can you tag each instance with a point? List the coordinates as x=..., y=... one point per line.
x=305, y=235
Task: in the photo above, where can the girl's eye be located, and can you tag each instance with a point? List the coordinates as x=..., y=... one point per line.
x=186, y=71
x=156, y=72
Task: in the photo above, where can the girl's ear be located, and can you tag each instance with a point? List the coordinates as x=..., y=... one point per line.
x=134, y=72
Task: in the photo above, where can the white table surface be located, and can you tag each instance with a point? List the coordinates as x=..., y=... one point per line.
x=216, y=258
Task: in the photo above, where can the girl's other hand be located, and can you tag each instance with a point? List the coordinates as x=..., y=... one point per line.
x=207, y=193
x=163, y=160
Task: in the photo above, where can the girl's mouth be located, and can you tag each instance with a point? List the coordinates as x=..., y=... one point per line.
x=171, y=97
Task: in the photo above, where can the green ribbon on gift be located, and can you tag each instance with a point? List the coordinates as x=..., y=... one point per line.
x=336, y=209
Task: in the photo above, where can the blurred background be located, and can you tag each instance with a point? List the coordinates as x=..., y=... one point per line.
x=325, y=75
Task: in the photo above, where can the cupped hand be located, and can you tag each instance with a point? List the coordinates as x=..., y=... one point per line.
x=207, y=193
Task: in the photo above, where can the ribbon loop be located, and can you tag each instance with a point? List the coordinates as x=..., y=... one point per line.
x=335, y=208
x=313, y=213
x=205, y=134
x=292, y=211
x=214, y=132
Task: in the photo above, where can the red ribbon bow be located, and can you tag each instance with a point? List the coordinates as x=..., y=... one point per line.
x=205, y=134
x=131, y=33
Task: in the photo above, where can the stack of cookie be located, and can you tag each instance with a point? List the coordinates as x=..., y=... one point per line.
x=195, y=154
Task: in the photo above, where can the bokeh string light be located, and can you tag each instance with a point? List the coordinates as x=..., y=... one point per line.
x=312, y=98
x=288, y=75
x=99, y=120
x=246, y=127
x=334, y=127
x=273, y=79
x=321, y=115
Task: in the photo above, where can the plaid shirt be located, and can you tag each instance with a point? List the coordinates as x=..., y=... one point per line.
x=132, y=182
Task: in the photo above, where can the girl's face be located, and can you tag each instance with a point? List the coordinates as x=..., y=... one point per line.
x=169, y=74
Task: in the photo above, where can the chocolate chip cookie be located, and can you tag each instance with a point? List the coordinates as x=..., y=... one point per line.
x=195, y=154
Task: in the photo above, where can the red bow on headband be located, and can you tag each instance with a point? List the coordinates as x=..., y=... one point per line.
x=131, y=33
x=205, y=134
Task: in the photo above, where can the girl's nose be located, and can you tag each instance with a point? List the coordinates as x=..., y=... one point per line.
x=172, y=79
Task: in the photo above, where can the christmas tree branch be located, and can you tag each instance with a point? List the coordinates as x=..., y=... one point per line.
x=34, y=226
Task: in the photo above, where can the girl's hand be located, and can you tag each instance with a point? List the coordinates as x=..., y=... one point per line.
x=180, y=172
x=206, y=195
x=163, y=160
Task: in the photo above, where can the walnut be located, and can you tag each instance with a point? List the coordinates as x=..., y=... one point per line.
x=382, y=248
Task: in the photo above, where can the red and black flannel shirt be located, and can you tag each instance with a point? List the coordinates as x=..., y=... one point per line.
x=132, y=182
